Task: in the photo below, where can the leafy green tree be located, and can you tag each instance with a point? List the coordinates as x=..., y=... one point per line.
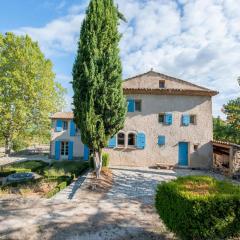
x=99, y=104
x=28, y=92
x=219, y=129
x=228, y=130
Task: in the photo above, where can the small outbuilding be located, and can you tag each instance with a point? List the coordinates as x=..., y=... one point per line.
x=226, y=158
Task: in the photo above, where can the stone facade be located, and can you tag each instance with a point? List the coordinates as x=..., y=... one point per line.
x=181, y=98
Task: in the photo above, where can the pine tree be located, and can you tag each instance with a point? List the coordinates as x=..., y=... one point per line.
x=99, y=103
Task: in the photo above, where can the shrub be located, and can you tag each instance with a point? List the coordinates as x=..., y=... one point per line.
x=58, y=188
x=66, y=168
x=105, y=160
x=19, y=144
x=52, y=192
x=199, y=207
x=27, y=166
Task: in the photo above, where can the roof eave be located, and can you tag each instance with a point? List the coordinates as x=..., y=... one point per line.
x=185, y=92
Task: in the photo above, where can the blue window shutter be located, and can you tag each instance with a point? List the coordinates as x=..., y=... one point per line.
x=86, y=153
x=185, y=119
x=112, y=142
x=72, y=128
x=59, y=125
x=168, y=118
x=70, y=150
x=131, y=105
x=141, y=140
x=161, y=140
x=57, y=149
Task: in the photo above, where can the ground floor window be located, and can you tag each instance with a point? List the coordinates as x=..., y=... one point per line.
x=64, y=148
x=121, y=139
x=131, y=139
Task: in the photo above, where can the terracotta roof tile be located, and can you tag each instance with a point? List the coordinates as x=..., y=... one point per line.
x=170, y=91
x=62, y=115
x=225, y=143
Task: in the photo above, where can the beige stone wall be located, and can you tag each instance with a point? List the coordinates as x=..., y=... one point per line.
x=147, y=122
x=151, y=80
x=235, y=160
x=78, y=146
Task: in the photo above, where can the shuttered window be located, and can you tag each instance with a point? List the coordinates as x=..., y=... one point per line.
x=112, y=142
x=141, y=141
x=168, y=118
x=185, y=120
x=161, y=140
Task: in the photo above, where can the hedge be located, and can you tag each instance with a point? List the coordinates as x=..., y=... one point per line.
x=58, y=188
x=199, y=207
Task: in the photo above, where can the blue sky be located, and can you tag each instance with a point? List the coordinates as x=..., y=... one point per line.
x=196, y=40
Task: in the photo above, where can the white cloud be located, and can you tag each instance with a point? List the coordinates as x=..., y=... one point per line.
x=199, y=43
x=57, y=37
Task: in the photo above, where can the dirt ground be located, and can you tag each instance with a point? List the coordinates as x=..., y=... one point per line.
x=122, y=209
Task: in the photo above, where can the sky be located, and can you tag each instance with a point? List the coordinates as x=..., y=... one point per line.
x=195, y=40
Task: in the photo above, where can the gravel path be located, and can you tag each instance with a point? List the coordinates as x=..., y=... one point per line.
x=125, y=212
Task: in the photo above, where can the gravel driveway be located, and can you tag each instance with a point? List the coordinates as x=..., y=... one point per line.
x=125, y=212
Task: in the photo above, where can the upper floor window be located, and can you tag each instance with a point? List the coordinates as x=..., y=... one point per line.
x=165, y=118
x=161, y=84
x=161, y=117
x=193, y=119
x=131, y=139
x=121, y=139
x=134, y=105
x=65, y=125
x=138, y=105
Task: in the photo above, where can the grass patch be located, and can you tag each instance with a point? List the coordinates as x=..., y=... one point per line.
x=199, y=207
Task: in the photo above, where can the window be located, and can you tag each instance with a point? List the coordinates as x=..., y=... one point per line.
x=65, y=125
x=121, y=139
x=161, y=117
x=195, y=147
x=64, y=148
x=138, y=105
x=161, y=84
x=193, y=119
x=131, y=139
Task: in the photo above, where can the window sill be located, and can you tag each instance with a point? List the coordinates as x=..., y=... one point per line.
x=126, y=148
x=120, y=147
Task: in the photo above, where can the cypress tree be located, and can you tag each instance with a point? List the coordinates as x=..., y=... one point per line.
x=99, y=103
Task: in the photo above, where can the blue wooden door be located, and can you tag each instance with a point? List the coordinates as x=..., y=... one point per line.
x=183, y=153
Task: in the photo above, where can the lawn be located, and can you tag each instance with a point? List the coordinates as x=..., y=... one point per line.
x=52, y=177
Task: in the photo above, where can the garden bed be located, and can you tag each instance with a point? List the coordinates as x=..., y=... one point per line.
x=200, y=207
x=52, y=177
x=104, y=183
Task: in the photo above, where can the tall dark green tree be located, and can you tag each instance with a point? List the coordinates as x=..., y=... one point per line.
x=99, y=103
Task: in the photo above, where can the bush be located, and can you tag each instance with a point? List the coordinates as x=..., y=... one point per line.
x=58, y=188
x=66, y=168
x=105, y=160
x=19, y=144
x=199, y=207
x=27, y=166
x=52, y=192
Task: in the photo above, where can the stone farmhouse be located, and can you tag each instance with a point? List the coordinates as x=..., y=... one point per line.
x=169, y=122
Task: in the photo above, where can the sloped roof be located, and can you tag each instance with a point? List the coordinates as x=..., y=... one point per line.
x=62, y=115
x=190, y=86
